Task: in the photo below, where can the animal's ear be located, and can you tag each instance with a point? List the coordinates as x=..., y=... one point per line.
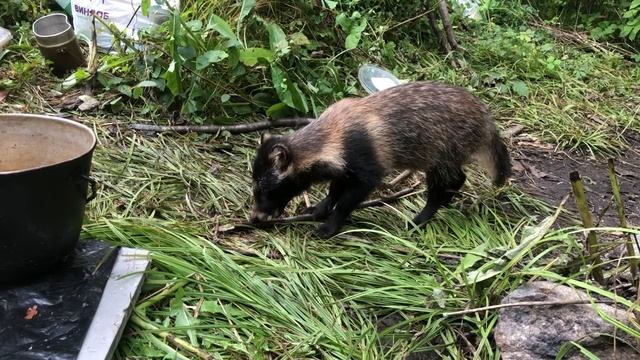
x=279, y=156
x=264, y=137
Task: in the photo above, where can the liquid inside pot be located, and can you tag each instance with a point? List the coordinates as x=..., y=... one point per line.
x=28, y=143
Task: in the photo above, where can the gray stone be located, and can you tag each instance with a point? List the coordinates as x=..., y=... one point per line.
x=538, y=332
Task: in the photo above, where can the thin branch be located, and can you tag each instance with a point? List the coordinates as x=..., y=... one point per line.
x=446, y=22
x=528, y=303
x=513, y=131
x=437, y=33
x=398, y=179
x=215, y=129
x=409, y=20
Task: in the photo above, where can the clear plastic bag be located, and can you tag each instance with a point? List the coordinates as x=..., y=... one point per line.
x=5, y=37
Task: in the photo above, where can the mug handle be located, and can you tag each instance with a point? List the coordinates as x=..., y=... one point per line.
x=94, y=186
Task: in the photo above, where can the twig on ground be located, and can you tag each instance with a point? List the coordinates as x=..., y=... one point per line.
x=398, y=179
x=528, y=303
x=215, y=129
x=513, y=130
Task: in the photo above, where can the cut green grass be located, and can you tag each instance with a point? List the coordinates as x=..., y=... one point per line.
x=382, y=289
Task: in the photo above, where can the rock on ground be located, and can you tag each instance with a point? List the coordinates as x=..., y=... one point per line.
x=538, y=332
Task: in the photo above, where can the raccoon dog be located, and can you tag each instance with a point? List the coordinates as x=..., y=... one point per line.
x=424, y=126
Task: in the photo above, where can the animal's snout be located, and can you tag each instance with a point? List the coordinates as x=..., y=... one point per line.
x=258, y=216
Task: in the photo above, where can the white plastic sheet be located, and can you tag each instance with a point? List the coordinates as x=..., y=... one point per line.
x=126, y=15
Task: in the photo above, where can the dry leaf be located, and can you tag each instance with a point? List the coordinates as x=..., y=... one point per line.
x=3, y=95
x=31, y=312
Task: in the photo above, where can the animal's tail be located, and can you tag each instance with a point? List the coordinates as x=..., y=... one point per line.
x=500, y=159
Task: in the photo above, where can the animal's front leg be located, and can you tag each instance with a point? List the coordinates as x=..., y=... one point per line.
x=322, y=210
x=353, y=193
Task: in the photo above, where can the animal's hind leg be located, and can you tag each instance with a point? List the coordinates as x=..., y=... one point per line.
x=442, y=184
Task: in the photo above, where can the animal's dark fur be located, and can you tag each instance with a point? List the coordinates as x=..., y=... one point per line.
x=425, y=126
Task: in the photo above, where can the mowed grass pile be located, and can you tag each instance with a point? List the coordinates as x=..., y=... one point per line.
x=380, y=290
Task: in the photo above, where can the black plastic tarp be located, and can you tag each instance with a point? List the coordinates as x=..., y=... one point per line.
x=66, y=301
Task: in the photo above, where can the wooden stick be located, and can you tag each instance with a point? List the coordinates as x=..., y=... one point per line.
x=437, y=33
x=446, y=22
x=587, y=222
x=528, y=303
x=405, y=174
x=309, y=217
x=215, y=129
x=513, y=131
x=615, y=188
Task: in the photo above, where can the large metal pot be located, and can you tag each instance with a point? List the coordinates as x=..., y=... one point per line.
x=44, y=177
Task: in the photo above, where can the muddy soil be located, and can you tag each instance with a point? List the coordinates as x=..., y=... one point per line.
x=542, y=171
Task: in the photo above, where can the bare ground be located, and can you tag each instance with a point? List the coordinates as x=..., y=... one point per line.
x=543, y=172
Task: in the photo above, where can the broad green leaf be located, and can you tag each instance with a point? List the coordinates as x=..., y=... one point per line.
x=331, y=4
x=184, y=319
x=77, y=77
x=634, y=32
x=520, y=88
x=635, y=4
x=224, y=98
x=351, y=42
x=299, y=39
x=343, y=21
x=125, y=89
x=147, y=83
x=210, y=57
x=222, y=27
x=276, y=110
x=136, y=92
x=250, y=56
x=172, y=77
x=439, y=296
x=472, y=257
x=277, y=39
x=287, y=90
x=245, y=8
x=194, y=25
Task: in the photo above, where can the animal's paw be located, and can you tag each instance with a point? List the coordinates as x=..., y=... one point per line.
x=326, y=230
x=319, y=212
x=308, y=210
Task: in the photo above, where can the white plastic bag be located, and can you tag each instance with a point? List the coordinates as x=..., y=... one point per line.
x=126, y=15
x=471, y=8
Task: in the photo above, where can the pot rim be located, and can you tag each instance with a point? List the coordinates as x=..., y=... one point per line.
x=45, y=17
x=83, y=127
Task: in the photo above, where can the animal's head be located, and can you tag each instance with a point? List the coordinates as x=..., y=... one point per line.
x=274, y=180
